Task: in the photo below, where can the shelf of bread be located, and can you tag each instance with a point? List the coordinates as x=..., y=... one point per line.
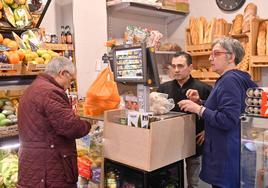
x=165, y=52
x=259, y=61
x=58, y=47
x=205, y=75
x=201, y=33
x=10, y=69
x=239, y=36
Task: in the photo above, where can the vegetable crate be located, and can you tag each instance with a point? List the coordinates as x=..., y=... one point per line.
x=9, y=131
x=10, y=69
x=32, y=69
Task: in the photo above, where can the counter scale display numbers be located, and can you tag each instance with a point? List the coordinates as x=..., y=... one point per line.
x=230, y=5
x=129, y=64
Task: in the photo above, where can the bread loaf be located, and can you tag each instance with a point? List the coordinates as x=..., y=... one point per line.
x=237, y=25
x=194, y=31
x=249, y=13
x=261, y=40
x=201, y=29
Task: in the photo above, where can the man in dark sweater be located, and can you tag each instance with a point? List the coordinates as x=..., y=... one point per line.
x=176, y=89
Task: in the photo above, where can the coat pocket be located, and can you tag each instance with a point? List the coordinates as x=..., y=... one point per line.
x=69, y=162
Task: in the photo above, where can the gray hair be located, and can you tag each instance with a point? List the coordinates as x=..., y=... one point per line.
x=58, y=64
x=232, y=46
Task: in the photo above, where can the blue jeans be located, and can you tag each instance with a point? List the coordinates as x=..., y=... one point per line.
x=193, y=166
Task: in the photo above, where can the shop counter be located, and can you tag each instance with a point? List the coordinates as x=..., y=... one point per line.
x=167, y=141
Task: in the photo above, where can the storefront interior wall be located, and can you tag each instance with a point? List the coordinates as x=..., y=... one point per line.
x=90, y=27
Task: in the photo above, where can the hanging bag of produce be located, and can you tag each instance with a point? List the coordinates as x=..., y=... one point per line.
x=102, y=94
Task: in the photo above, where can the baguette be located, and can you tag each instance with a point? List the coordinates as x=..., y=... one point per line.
x=261, y=40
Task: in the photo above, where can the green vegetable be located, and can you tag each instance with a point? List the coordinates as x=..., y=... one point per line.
x=2, y=116
x=5, y=122
x=9, y=14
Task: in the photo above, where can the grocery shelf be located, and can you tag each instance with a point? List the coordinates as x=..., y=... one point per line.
x=145, y=9
x=165, y=52
x=58, y=47
x=10, y=29
x=205, y=53
x=16, y=81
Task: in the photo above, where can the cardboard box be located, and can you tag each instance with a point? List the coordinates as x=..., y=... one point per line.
x=167, y=141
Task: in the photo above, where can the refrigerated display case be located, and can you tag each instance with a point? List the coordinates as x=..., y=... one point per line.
x=254, y=152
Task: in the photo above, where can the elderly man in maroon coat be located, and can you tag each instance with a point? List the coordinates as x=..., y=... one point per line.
x=48, y=128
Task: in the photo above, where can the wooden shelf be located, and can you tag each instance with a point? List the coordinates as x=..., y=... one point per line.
x=259, y=59
x=244, y=35
x=200, y=49
x=58, y=47
x=206, y=53
x=259, y=65
x=165, y=52
x=144, y=9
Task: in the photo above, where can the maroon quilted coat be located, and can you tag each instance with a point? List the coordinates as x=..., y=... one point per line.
x=47, y=130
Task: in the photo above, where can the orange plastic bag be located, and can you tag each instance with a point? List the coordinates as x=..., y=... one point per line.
x=102, y=94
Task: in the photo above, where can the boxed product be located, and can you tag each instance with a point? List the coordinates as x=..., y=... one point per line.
x=167, y=141
x=138, y=119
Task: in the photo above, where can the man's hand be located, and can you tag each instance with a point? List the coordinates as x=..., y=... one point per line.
x=193, y=95
x=189, y=106
x=200, y=138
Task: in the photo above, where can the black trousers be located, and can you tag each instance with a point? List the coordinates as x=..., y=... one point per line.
x=214, y=186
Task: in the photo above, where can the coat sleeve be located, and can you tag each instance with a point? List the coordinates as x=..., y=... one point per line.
x=229, y=104
x=62, y=118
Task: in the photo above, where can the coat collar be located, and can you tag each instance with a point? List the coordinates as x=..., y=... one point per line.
x=50, y=79
x=187, y=83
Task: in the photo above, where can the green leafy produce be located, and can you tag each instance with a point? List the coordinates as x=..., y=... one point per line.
x=9, y=14
x=9, y=170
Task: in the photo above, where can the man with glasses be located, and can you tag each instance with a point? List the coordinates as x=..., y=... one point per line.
x=48, y=128
x=176, y=89
x=221, y=112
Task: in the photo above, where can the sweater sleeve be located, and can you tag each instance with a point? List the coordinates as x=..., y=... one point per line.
x=62, y=118
x=229, y=103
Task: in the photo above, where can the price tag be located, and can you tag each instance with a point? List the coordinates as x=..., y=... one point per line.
x=40, y=66
x=6, y=67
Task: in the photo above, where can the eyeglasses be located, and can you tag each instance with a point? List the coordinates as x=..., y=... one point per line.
x=70, y=76
x=214, y=54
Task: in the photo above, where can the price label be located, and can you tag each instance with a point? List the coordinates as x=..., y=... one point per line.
x=40, y=66
x=6, y=67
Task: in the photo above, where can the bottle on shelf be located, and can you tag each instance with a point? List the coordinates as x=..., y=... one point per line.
x=68, y=34
x=63, y=36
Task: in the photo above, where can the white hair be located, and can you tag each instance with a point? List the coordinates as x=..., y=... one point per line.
x=58, y=64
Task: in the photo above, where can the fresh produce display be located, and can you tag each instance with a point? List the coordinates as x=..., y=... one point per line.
x=16, y=12
x=89, y=150
x=20, y=50
x=8, y=112
x=8, y=169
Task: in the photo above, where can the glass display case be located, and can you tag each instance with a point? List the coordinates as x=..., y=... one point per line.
x=254, y=152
